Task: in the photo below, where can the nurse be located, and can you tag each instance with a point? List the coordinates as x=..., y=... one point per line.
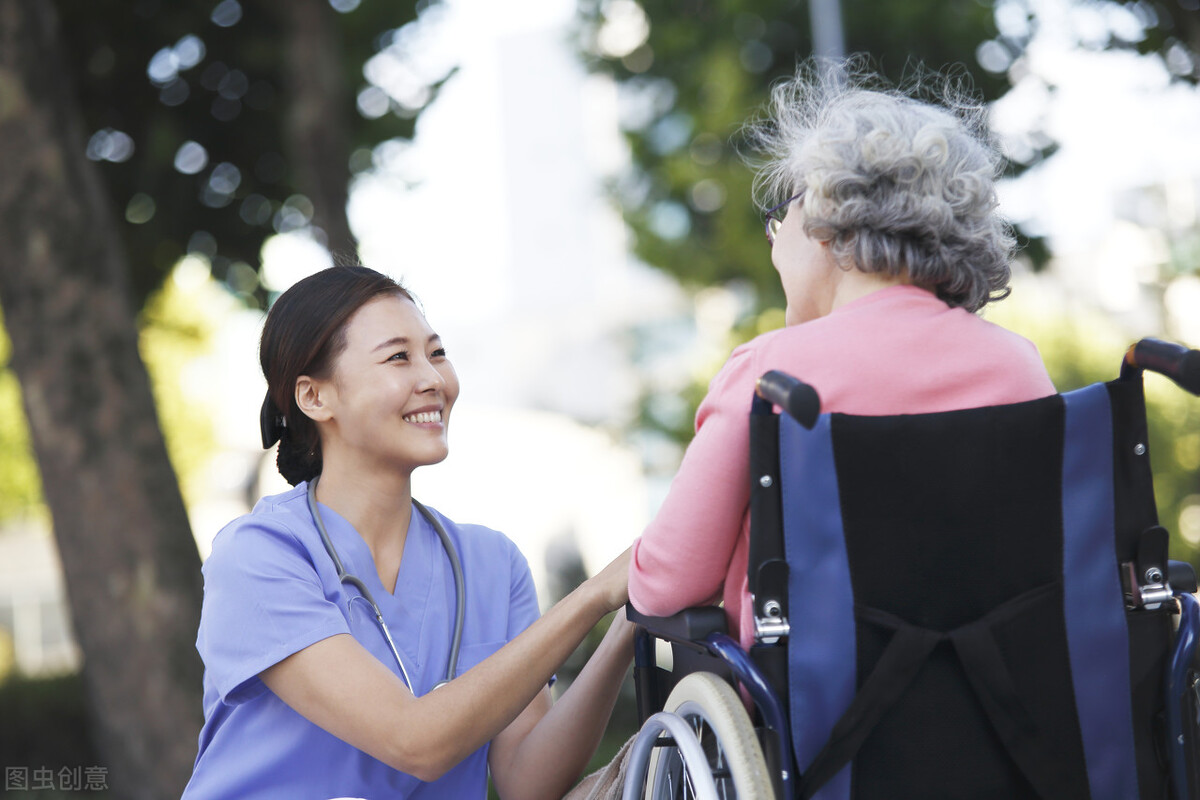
x=304, y=696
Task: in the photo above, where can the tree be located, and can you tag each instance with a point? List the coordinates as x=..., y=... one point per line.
x=130, y=563
x=220, y=124
x=211, y=168
x=695, y=71
x=1168, y=28
x=1164, y=30
x=692, y=72
x=1166, y=36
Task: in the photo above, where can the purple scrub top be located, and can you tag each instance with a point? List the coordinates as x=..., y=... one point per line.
x=270, y=590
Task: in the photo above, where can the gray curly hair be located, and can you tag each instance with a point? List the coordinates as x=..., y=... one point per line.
x=891, y=183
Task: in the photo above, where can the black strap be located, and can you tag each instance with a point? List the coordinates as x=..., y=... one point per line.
x=902, y=659
x=1034, y=753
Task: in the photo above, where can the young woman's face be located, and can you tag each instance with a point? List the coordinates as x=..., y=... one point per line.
x=392, y=389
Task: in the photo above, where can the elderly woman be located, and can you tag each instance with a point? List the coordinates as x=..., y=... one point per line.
x=883, y=228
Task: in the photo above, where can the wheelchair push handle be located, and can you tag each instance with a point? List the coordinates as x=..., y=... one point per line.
x=792, y=395
x=1166, y=358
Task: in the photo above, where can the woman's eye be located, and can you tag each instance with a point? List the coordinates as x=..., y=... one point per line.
x=401, y=356
x=439, y=353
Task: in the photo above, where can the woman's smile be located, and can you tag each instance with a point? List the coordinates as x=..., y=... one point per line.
x=393, y=364
x=425, y=418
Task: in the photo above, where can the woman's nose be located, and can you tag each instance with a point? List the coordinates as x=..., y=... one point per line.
x=431, y=378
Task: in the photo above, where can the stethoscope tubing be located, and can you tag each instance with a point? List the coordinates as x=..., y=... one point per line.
x=346, y=578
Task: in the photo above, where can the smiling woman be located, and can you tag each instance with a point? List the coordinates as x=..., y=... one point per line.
x=333, y=611
x=389, y=400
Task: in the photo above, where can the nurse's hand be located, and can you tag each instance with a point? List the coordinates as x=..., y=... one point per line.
x=612, y=582
x=338, y=685
x=543, y=753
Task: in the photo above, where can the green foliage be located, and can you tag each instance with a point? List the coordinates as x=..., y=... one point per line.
x=177, y=327
x=703, y=71
x=1170, y=28
x=226, y=89
x=178, y=324
x=1174, y=417
x=20, y=481
x=1080, y=348
x=705, y=67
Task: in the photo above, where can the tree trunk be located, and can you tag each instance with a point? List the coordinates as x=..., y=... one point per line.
x=131, y=566
x=316, y=135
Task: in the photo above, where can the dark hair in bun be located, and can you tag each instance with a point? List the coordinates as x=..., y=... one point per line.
x=304, y=333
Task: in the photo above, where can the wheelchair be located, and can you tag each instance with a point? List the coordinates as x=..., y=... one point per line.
x=967, y=604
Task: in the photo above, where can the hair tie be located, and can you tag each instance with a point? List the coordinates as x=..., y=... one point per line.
x=271, y=423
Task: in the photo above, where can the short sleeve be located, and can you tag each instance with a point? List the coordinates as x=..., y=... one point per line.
x=523, y=608
x=263, y=601
x=523, y=600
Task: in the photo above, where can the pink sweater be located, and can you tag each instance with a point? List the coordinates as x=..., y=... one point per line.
x=898, y=350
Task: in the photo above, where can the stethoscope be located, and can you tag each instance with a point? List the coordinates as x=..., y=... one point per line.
x=364, y=593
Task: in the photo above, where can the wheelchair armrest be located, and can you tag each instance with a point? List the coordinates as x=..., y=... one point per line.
x=1181, y=576
x=686, y=632
x=689, y=625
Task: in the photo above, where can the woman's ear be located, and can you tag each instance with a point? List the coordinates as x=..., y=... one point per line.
x=311, y=400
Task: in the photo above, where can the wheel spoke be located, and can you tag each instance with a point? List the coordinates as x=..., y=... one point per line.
x=711, y=712
x=717, y=763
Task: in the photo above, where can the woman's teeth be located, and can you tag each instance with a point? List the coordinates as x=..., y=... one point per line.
x=426, y=416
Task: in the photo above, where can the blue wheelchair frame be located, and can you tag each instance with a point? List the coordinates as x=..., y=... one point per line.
x=699, y=639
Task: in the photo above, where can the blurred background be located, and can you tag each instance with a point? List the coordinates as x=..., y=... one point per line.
x=560, y=184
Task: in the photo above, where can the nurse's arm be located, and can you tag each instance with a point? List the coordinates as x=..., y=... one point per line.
x=339, y=686
x=545, y=750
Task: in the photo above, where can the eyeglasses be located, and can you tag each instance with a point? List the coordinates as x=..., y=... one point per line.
x=775, y=216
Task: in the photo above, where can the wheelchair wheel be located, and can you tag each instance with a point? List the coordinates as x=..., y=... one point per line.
x=714, y=711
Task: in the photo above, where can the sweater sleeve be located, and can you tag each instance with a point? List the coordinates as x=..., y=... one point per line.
x=682, y=557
